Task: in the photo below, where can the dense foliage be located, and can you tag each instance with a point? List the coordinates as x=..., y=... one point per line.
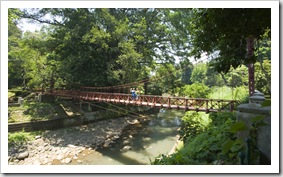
x=196, y=90
x=212, y=143
x=223, y=33
x=108, y=47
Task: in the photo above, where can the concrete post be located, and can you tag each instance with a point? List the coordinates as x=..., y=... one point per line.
x=89, y=108
x=40, y=98
x=81, y=104
x=36, y=98
x=21, y=102
x=19, y=99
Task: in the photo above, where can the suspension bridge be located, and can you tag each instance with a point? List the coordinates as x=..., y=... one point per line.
x=188, y=104
x=117, y=94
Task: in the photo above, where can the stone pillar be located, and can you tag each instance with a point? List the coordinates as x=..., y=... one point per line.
x=248, y=111
x=40, y=98
x=264, y=140
x=257, y=97
x=258, y=93
x=36, y=98
x=21, y=101
x=19, y=98
x=245, y=113
x=89, y=108
x=81, y=104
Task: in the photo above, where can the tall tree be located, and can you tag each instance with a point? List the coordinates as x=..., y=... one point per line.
x=104, y=47
x=225, y=31
x=15, y=68
x=199, y=73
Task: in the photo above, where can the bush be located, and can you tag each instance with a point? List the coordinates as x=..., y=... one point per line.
x=192, y=124
x=206, y=141
x=215, y=145
x=196, y=90
x=220, y=118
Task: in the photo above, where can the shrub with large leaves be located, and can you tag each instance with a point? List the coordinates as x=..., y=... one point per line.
x=192, y=124
x=210, y=142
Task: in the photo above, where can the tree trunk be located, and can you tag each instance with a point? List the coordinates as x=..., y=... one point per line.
x=250, y=53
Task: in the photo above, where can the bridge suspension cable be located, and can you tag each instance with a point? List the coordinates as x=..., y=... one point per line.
x=132, y=84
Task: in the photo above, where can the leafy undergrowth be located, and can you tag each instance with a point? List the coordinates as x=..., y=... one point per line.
x=205, y=144
x=11, y=94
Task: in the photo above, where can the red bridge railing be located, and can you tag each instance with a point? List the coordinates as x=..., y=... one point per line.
x=193, y=104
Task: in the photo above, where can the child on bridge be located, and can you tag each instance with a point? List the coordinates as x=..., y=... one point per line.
x=132, y=90
x=134, y=93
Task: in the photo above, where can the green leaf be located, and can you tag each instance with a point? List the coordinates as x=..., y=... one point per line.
x=227, y=145
x=236, y=147
x=266, y=103
x=258, y=118
x=238, y=126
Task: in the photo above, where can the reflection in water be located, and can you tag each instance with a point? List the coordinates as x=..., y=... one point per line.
x=139, y=143
x=177, y=121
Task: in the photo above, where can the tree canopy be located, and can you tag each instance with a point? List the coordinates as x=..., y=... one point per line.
x=107, y=47
x=224, y=31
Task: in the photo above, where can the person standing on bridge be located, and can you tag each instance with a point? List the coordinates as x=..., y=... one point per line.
x=136, y=94
x=132, y=90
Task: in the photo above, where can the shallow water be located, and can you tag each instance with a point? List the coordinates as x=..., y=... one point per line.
x=139, y=144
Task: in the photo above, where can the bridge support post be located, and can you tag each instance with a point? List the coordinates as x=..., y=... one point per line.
x=40, y=98
x=89, y=108
x=81, y=104
x=21, y=101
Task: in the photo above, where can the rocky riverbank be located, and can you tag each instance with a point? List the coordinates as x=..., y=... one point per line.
x=62, y=146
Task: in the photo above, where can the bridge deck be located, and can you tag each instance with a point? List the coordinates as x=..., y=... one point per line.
x=140, y=103
x=193, y=104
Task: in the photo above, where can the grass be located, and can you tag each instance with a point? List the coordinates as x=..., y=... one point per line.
x=16, y=114
x=34, y=111
x=19, y=138
x=228, y=93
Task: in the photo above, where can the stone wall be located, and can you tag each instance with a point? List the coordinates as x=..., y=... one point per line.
x=67, y=121
x=45, y=125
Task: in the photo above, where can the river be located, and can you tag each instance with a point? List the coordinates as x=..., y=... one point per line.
x=139, y=144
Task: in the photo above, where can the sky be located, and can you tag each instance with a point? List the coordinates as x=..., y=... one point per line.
x=24, y=25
